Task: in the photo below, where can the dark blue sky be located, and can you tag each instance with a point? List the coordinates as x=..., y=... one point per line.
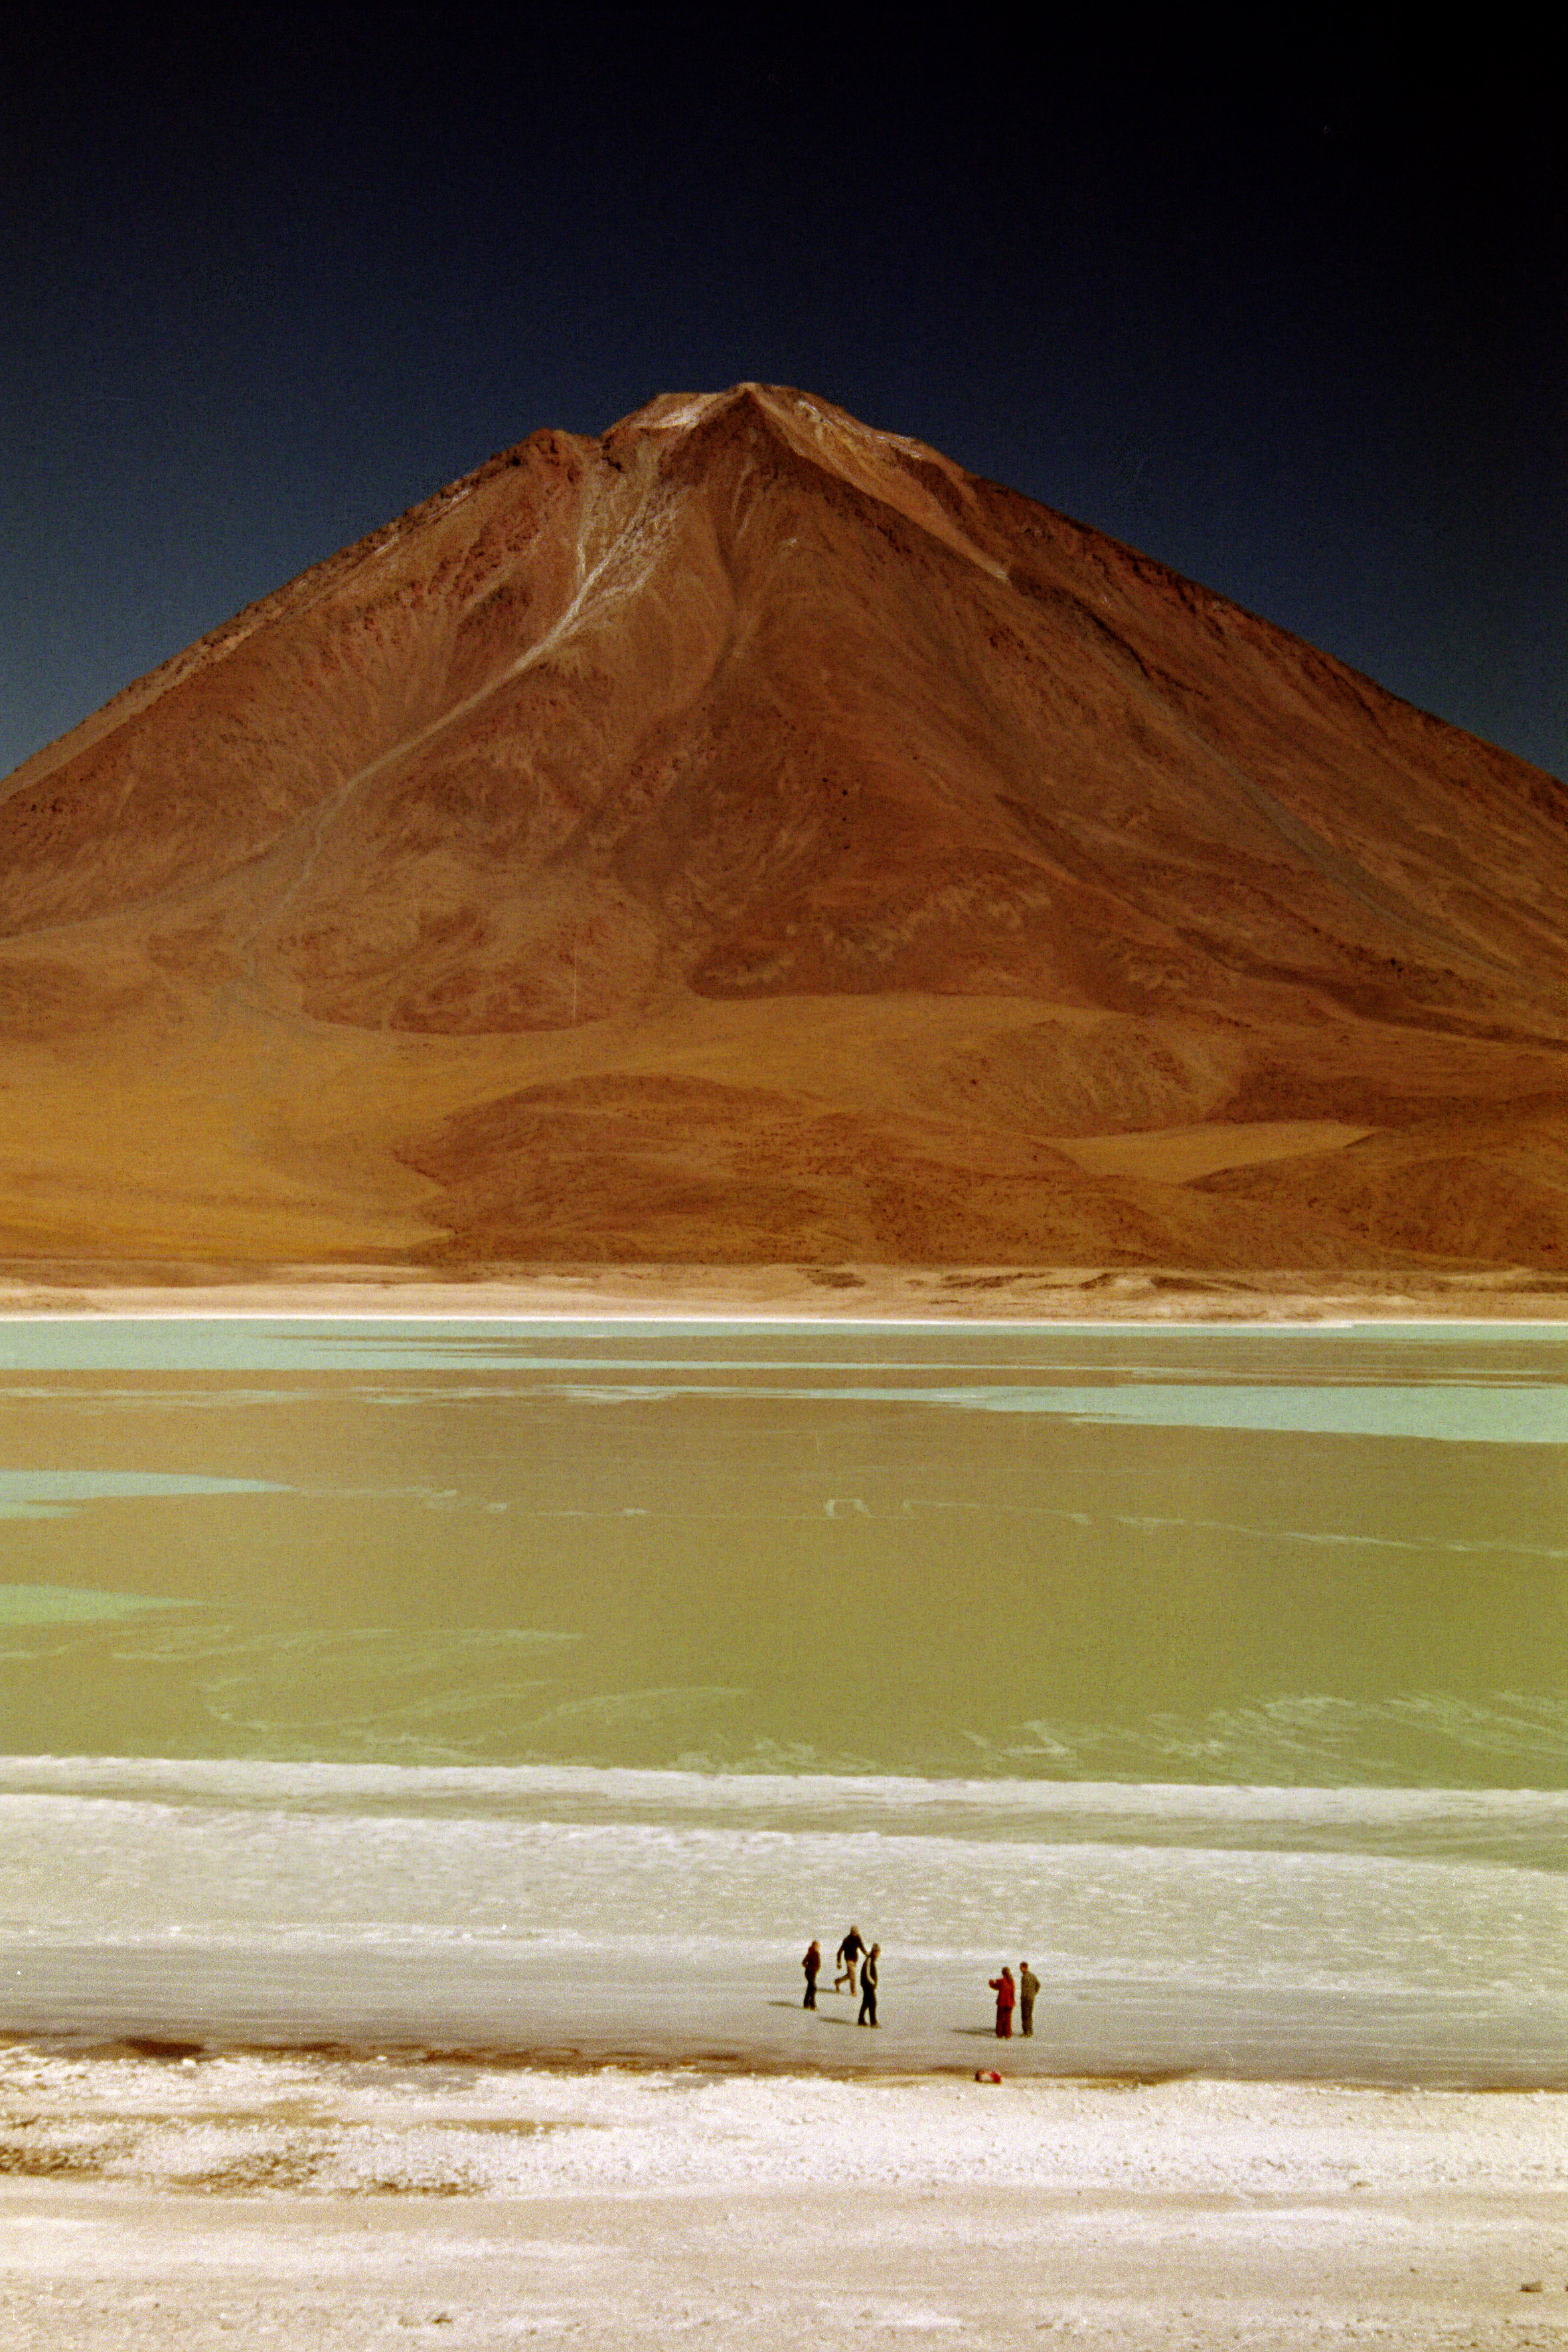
x=1296, y=324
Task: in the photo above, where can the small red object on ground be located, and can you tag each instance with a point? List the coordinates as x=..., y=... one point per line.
x=986, y=2074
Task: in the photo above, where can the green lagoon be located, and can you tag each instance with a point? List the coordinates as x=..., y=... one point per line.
x=1303, y=1557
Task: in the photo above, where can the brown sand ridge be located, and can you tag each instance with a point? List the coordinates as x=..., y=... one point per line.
x=748, y=839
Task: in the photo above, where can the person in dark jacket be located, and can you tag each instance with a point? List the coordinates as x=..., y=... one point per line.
x=868, y=1987
x=849, y=1951
x=1028, y=1985
x=812, y=1964
x=1006, y=1993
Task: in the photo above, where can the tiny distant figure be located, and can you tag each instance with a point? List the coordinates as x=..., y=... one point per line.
x=1028, y=1985
x=849, y=1952
x=812, y=1964
x=868, y=1987
x=1006, y=1993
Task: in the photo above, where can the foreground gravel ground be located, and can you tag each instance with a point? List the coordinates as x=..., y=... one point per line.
x=255, y=2200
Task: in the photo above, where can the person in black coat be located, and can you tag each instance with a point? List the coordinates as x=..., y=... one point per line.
x=868, y=1987
x=812, y=1964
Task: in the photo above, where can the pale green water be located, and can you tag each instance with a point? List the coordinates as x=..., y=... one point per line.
x=1282, y=1558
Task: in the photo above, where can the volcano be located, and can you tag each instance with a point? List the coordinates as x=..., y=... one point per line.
x=747, y=837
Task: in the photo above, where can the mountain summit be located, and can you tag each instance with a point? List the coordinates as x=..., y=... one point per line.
x=749, y=836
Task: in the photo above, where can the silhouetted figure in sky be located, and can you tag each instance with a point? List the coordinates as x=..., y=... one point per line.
x=1028, y=1985
x=868, y=1987
x=812, y=1964
x=1006, y=1993
x=849, y=1951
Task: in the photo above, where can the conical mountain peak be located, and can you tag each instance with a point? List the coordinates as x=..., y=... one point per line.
x=745, y=832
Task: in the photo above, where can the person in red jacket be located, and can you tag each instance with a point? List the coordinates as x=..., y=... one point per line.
x=1006, y=1993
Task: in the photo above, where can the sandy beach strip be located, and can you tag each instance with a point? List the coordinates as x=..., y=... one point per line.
x=848, y=1293
x=258, y=2199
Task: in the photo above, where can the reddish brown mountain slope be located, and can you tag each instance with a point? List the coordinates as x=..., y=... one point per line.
x=748, y=835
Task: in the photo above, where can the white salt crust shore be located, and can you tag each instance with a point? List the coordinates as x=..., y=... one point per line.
x=250, y=2199
x=859, y=1293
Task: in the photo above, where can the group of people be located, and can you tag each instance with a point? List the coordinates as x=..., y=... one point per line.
x=853, y=1953
x=1013, y=1994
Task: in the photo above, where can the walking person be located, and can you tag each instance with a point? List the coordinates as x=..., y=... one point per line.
x=812, y=1964
x=1028, y=1985
x=849, y=1951
x=1006, y=1993
x=868, y=1987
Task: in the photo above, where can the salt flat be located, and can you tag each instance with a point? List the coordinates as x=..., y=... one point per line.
x=153, y=2203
